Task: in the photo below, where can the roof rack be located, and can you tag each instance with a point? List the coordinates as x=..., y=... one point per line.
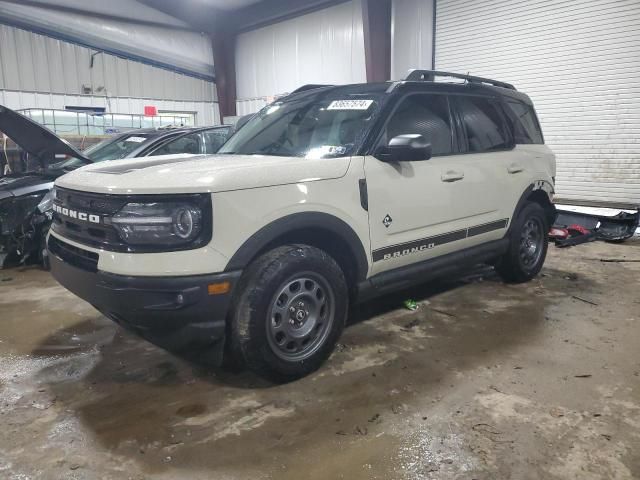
x=430, y=75
x=310, y=86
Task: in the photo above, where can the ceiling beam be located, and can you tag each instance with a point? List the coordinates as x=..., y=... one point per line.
x=268, y=12
x=120, y=10
x=198, y=15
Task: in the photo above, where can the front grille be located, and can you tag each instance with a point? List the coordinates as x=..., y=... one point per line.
x=73, y=255
x=85, y=218
x=90, y=202
x=99, y=235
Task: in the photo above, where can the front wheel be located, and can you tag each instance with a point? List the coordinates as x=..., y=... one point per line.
x=528, y=246
x=290, y=312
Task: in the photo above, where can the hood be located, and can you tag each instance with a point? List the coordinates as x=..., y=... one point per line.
x=34, y=138
x=198, y=174
x=23, y=184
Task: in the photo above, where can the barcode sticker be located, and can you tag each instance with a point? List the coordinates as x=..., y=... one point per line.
x=135, y=139
x=350, y=105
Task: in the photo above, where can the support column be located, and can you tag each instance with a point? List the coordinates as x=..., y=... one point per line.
x=224, y=64
x=376, y=18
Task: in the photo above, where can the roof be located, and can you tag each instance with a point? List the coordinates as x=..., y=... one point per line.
x=403, y=85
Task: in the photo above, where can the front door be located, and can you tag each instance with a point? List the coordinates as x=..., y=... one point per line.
x=422, y=209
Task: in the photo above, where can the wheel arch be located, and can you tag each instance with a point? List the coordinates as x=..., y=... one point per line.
x=317, y=229
x=540, y=192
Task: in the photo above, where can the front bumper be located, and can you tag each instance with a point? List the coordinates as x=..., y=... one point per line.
x=173, y=312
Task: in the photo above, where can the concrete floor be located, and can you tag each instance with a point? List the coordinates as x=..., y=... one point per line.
x=484, y=381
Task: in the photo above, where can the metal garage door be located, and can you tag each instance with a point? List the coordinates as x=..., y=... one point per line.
x=579, y=62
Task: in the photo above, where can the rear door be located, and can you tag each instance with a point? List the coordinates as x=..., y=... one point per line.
x=488, y=144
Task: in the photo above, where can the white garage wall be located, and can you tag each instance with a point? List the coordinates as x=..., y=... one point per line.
x=326, y=46
x=411, y=36
x=37, y=71
x=579, y=62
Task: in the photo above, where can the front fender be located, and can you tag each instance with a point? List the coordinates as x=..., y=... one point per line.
x=296, y=222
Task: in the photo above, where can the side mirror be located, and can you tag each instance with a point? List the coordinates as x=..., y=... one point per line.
x=410, y=147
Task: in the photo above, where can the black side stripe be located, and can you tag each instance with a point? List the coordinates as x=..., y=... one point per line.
x=488, y=227
x=428, y=243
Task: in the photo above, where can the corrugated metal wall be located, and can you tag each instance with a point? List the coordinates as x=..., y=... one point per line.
x=326, y=46
x=125, y=27
x=32, y=64
x=411, y=36
x=579, y=62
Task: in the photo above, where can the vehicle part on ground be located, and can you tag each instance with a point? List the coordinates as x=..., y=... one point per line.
x=571, y=236
x=558, y=233
x=616, y=228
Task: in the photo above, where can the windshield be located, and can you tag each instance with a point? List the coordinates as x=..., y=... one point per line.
x=308, y=127
x=66, y=165
x=115, y=148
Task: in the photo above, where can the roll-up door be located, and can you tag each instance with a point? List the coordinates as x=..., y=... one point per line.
x=579, y=62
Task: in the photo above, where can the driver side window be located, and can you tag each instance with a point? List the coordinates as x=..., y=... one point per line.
x=427, y=115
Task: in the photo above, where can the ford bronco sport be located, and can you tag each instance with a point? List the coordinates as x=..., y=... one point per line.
x=326, y=197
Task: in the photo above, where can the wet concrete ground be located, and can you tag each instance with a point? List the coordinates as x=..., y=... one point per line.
x=484, y=381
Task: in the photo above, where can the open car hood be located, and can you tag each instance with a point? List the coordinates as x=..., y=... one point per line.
x=34, y=138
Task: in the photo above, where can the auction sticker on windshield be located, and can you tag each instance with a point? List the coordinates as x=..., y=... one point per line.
x=135, y=139
x=350, y=105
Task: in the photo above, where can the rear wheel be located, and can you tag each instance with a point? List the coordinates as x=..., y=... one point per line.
x=528, y=246
x=289, y=313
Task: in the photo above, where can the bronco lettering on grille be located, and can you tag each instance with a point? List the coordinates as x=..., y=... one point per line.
x=84, y=216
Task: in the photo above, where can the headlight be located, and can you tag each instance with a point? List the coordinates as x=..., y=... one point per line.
x=161, y=223
x=46, y=203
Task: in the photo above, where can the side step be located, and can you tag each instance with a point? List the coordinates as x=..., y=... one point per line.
x=421, y=272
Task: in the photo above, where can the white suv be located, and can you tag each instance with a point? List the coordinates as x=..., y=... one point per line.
x=326, y=197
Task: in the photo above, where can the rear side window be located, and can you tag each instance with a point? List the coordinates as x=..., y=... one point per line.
x=483, y=124
x=427, y=115
x=524, y=122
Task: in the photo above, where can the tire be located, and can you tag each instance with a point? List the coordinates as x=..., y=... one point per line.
x=289, y=312
x=528, y=246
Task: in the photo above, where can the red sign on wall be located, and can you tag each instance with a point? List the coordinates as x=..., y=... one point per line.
x=150, y=111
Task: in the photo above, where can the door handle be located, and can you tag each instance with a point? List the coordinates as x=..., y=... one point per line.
x=515, y=168
x=452, y=176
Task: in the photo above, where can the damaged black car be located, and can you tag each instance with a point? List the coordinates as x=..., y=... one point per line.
x=25, y=197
